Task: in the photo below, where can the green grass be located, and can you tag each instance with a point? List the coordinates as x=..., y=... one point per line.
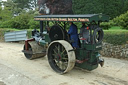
x=13, y=29
x=9, y=29
x=116, y=29
x=115, y=35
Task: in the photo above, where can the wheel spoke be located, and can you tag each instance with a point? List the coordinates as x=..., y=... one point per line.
x=58, y=49
x=65, y=64
x=58, y=62
x=65, y=55
x=54, y=51
x=63, y=52
x=65, y=58
x=63, y=67
x=62, y=64
x=54, y=54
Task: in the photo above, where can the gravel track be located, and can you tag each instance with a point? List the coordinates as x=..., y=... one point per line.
x=15, y=69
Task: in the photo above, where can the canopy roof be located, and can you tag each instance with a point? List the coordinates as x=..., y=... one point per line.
x=73, y=18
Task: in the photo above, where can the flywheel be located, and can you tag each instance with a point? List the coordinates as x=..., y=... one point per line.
x=56, y=33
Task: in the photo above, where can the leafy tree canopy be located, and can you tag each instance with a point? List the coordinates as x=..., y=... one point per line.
x=112, y=8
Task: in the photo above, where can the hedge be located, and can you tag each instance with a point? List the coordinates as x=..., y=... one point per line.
x=113, y=37
x=116, y=37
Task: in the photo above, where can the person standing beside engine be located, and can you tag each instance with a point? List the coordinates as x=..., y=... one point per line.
x=73, y=32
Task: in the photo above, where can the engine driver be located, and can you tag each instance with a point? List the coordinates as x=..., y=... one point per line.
x=73, y=32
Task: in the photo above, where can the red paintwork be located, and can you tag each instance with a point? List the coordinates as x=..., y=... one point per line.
x=81, y=61
x=26, y=43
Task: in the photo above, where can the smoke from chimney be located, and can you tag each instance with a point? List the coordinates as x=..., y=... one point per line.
x=55, y=6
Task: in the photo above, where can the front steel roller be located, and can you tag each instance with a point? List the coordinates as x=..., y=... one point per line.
x=34, y=51
x=59, y=58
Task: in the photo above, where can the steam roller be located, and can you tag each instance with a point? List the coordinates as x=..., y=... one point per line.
x=54, y=41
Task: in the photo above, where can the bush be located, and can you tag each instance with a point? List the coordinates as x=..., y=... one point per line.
x=20, y=22
x=105, y=25
x=122, y=20
x=29, y=34
x=33, y=24
x=7, y=24
x=116, y=38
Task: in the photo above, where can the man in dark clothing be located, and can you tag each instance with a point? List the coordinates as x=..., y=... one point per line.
x=73, y=35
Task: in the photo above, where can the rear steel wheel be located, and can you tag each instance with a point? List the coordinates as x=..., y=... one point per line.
x=59, y=58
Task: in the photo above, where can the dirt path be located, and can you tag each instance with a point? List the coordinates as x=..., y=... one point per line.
x=15, y=69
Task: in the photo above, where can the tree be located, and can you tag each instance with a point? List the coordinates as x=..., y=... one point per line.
x=5, y=13
x=0, y=13
x=13, y=7
x=122, y=20
x=22, y=3
x=33, y=4
x=26, y=4
x=112, y=8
